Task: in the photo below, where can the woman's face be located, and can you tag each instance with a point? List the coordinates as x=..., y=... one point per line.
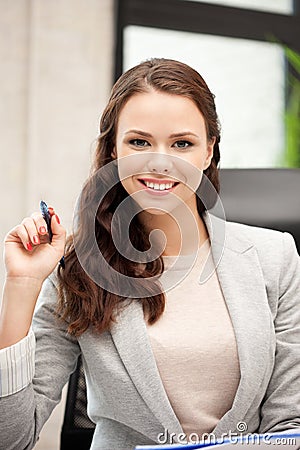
x=162, y=150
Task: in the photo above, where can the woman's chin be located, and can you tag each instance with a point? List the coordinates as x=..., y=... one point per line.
x=155, y=212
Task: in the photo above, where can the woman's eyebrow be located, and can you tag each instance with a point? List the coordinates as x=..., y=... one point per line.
x=143, y=133
x=173, y=135
x=183, y=133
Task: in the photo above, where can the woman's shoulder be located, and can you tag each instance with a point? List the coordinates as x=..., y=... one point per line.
x=252, y=232
x=269, y=243
x=240, y=237
x=244, y=233
x=276, y=252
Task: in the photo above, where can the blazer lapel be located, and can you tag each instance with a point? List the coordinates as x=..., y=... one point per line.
x=242, y=283
x=130, y=337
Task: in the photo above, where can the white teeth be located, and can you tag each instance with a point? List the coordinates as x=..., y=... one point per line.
x=157, y=186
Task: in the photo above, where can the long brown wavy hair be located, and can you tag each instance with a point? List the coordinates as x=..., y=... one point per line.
x=82, y=302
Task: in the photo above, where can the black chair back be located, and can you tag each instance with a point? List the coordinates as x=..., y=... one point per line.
x=77, y=430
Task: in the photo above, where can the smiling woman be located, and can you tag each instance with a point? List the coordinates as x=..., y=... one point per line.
x=160, y=120
x=165, y=350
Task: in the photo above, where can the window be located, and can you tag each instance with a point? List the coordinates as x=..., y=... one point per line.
x=249, y=97
x=234, y=49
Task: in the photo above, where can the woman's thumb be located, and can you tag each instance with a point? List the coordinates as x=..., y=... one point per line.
x=58, y=231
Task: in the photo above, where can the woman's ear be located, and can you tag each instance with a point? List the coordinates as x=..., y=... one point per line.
x=114, y=153
x=210, y=152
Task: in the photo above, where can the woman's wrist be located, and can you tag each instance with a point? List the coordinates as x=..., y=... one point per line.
x=24, y=282
x=18, y=303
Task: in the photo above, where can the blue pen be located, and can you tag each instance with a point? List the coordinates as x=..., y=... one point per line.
x=46, y=215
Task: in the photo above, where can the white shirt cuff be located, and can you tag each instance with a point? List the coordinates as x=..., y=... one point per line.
x=17, y=365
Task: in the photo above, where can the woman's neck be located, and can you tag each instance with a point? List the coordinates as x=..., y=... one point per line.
x=184, y=230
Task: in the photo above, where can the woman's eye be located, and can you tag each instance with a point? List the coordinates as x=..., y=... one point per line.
x=182, y=144
x=139, y=142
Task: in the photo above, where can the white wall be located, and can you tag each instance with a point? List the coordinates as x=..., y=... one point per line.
x=56, y=72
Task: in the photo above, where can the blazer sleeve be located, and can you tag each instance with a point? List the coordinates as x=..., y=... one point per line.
x=280, y=410
x=17, y=365
x=23, y=414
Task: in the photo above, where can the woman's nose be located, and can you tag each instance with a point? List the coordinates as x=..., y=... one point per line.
x=160, y=163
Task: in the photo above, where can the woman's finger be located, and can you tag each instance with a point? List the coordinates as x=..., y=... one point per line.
x=40, y=223
x=59, y=234
x=20, y=232
x=51, y=211
x=32, y=230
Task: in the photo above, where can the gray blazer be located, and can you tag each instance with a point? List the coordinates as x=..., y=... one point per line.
x=259, y=274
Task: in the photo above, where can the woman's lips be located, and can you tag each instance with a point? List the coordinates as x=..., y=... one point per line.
x=157, y=186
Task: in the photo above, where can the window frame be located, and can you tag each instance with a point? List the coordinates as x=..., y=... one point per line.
x=204, y=18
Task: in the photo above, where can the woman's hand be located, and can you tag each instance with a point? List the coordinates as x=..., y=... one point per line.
x=28, y=253
x=29, y=258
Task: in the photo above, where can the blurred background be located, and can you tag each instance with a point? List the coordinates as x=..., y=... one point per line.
x=59, y=59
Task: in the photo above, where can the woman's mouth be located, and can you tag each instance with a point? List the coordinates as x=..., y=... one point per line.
x=158, y=185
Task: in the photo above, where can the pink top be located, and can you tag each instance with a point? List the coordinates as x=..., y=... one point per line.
x=195, y=348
